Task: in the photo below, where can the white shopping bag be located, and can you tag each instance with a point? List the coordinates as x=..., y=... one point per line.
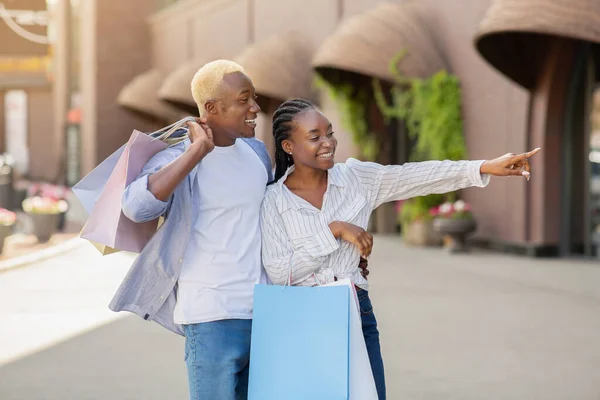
x=362, y=383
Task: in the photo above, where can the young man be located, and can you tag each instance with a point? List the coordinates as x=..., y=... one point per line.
x=197, y=274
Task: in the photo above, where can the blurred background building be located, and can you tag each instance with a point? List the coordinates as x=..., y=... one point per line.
x=528, y=76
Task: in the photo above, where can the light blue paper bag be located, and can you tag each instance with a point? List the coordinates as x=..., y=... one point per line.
x=307, y=344
x=300, y=343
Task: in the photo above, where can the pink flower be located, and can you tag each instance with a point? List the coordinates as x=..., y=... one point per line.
x=399, y=206
x=7, y=217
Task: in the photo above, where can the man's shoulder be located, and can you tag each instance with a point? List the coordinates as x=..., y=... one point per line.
x=255, y=143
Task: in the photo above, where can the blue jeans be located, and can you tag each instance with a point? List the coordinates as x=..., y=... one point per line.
x=217, y=355
x=371, y=334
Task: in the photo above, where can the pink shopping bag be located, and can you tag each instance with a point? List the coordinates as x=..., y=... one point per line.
x=107, y=225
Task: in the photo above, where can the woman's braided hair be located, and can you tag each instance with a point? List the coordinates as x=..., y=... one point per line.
x=283, y=125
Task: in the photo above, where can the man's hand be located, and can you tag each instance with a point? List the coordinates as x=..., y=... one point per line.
x=509, y=164
x=356, y=235
x=363, y=265
x=201, y=135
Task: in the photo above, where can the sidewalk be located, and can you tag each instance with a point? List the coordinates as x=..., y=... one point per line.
x=485, y=325
x=22, y=248
x=481, y=326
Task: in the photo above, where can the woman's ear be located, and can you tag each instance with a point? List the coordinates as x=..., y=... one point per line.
x=286, y=145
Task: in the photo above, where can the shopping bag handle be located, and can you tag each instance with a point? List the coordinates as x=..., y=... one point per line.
x=288, y=282
x=164, y=133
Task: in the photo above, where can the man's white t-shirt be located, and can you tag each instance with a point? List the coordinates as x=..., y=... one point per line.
x=222, y=262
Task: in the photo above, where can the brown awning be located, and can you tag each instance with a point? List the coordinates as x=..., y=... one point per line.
x=176, y=89
x=280, y=67
x=141, y=96
x=367, y=42
x=514, y=34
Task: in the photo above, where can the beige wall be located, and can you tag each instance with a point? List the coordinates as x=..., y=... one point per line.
x=44, y=158
x=351, y=7
x=170, y=38
x=315, y=18
x=61, y=73
x=2, y=123
x=192, y=29
x=209, y=37
x=495, y=110
x=495, y=115
x=123, y=51
x=115, y=48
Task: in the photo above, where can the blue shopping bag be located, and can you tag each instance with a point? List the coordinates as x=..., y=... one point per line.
x=300, y=343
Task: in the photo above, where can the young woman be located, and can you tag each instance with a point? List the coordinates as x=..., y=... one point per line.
x=314, y=215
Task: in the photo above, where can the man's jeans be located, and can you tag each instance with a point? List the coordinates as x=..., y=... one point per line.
x=369, y=327
x=217, y=355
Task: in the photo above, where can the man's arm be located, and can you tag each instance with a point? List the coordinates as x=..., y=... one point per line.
x=148, y=196
x=162, y=184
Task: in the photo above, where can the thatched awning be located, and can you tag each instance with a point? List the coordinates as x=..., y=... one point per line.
x=176, y=89
x=366, y=43
x=514, y=34
x=141, y=96
x=280, y=66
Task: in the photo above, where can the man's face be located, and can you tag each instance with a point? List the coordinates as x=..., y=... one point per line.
x=236, y=110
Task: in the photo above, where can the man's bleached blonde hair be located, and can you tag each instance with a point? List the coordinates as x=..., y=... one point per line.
x=208, y=79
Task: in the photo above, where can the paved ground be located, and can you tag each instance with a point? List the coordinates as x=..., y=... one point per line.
x=478, y=326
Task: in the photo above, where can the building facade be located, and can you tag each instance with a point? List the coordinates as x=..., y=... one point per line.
x=527, y=81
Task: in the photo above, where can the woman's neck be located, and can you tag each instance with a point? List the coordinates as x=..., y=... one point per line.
x=306, y=178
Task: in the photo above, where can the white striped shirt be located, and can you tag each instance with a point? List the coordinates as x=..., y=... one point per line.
x=296, y=235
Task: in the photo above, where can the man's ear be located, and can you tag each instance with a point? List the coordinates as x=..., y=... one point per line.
x=211, y=107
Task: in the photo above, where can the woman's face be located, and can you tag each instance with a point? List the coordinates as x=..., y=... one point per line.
x=311, y=143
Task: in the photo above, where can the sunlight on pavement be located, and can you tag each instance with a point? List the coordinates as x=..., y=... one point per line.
x=51, y=301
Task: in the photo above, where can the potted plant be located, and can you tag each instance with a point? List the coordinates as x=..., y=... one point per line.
x=416, y=222
x=44, y=213
x=7, y=223
x=455, y=220
x=53, y=192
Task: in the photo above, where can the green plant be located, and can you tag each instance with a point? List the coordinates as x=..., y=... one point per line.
x=352, y=101
x=418, y=208
x=431, y=109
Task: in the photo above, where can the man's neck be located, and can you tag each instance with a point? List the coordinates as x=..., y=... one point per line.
x=221, y=138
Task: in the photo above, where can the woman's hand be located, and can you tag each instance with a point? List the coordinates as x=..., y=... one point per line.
x=356, y=235
x=509, y=164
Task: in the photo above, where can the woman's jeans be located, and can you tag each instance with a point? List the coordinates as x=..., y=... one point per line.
x=371, y=334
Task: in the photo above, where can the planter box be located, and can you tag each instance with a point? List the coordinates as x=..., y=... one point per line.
x=421, y=233
x=44, y=225
x=457, y=230
x=5, y=231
